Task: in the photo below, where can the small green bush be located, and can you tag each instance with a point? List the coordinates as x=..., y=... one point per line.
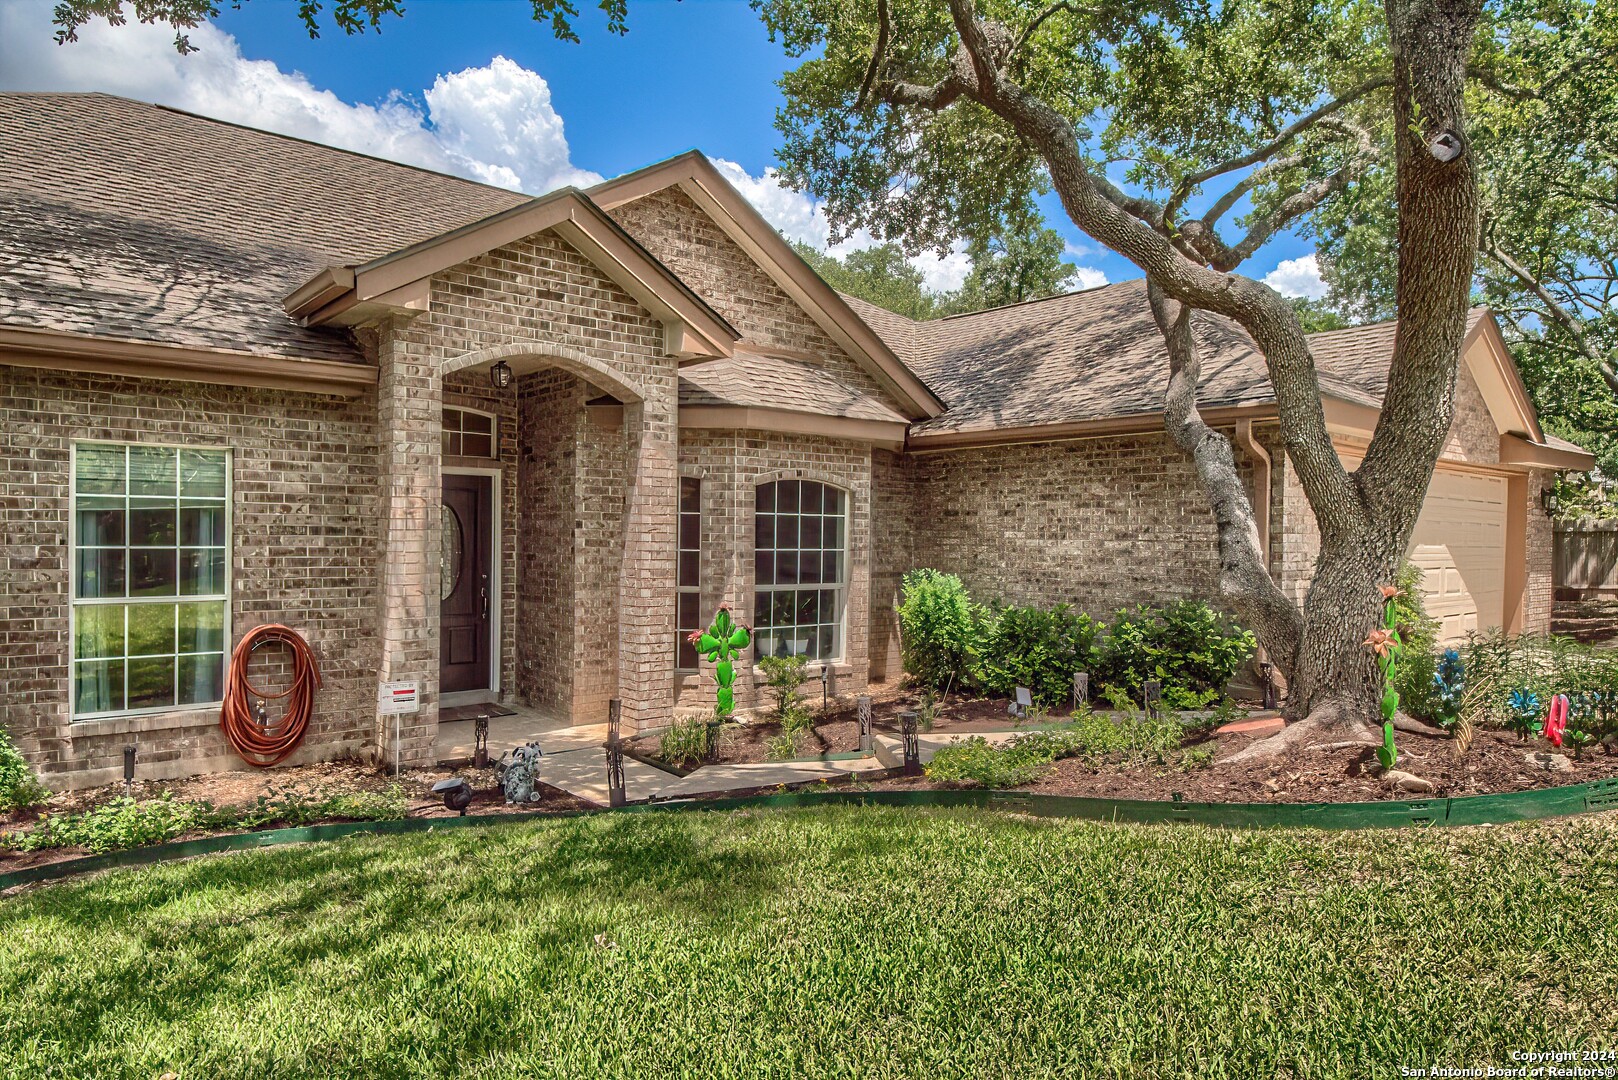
x=19, y=788
x=125, y=822
x=938, y=629
x=688, y=741
x=1188, y=646
x=1014, y=763
x=1039, y=648
x=784, y=676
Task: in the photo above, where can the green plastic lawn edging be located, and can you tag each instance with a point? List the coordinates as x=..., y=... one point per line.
x=1494, y=809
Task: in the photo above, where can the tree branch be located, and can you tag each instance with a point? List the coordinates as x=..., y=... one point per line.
x=1559, y=314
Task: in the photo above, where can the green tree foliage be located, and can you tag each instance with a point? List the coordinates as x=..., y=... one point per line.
x=1039, y=648
x=879, y=274
x=938, y=628
x=1544, y=123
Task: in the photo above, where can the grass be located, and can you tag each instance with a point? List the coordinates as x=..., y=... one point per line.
x=824, y=942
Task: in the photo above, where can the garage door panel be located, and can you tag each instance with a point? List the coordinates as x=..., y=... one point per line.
x=1460, y=545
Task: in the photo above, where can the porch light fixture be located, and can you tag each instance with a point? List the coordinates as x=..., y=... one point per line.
x=500, y=375
x=1548, y=499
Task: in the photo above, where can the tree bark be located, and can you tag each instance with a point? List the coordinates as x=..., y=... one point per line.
x=1365, y=518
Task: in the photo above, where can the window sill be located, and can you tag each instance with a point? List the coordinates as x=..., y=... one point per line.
x=199, y=716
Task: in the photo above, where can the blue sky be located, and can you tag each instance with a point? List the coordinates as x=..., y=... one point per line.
x=480, y=89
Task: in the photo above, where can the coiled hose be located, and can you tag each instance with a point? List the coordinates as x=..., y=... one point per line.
x=260, y=743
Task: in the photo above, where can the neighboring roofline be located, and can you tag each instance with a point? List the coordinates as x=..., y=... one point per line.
x=889, y=434
x=28, y=347
x=398, y=280
x=741, y=221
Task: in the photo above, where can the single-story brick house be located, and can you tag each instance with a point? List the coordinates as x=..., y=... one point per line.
x=511, y=448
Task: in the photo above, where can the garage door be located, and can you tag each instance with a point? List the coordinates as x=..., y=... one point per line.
x=1460, y=546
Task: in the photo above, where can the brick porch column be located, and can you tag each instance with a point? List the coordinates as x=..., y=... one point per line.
x=646, y=585
x=409, y=420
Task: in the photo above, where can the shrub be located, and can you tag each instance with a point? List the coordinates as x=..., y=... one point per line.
x=688, y=741
x=1508, y=678
x=1039, y=648
x=1016, y=762
x=19, y=789
x=938, y=628
x=125, y=822
x=784, y=675
x=1188, y=646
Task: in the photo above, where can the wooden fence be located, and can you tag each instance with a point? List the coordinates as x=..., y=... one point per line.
x=1586, y=554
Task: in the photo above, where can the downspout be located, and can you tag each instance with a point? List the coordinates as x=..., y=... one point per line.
x=1261, y=501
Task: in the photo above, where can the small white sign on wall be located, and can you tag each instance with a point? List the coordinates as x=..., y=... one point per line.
x=398, y=697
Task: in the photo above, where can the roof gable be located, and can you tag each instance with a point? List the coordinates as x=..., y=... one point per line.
x=399, y=280
x=697, y=179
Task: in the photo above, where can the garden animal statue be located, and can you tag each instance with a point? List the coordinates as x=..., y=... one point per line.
x=721, y=643
x=515, y=773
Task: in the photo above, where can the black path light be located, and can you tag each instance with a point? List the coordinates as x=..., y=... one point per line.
x=480, y=741
x=1081, y=689
x=863, y=709
x=825, y=687
x=615, y=754
x=912, y=742
x=1266, y=672
x=1152, y=695
x=129, y=768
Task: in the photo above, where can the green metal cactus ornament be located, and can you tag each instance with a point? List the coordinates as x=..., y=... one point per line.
x=721, y=643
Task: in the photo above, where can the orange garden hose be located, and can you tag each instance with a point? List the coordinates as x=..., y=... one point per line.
x=258, y=743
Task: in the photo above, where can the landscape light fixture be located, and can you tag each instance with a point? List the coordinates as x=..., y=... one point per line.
x=129, y=767
x=480, y=741
x=908, y=731
x=616, y=793
x=456, y=793
x=500, y=375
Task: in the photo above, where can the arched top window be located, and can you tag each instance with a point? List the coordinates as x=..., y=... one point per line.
x=800, y=543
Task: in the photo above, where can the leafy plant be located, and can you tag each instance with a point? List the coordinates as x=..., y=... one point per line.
x=1388, y=646
x=1014, y=763
x=1196, y=757
x=1387, y=754
x=1188, y=646
x=19, y=788
x=1039, y=648
x=938, y=629
x=690, y=740
x=784, y=675
x=927, y=709
x=125, y=822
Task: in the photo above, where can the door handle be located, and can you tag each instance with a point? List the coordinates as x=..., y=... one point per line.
x=483, y=598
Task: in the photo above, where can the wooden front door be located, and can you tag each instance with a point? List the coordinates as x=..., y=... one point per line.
x=464, y=624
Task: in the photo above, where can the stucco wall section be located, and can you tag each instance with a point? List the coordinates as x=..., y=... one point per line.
x=731, y=465
x=303, y=552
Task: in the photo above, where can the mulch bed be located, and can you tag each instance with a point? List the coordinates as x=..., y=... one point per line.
x=314, y=780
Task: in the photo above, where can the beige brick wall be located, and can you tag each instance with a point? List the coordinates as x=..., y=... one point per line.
x=1097, y=523
x=548, y=404
x=730, y=466
x=304, y=553
x=893, y=500
x=1541, y=569
x=673, y=228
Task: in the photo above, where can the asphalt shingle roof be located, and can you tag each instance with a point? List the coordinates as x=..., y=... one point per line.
x=771, y=382
x=1096, y=355
x=124, y=219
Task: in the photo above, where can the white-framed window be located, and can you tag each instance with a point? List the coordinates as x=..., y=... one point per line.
x=688, y=586
x=800, y=560
x=151, y=577
x=469, y=433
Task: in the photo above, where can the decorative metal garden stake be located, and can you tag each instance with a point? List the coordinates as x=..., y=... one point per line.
x=912, y=742
x=1081, y=689
x=721, y=643
x=863, y=709
x=615, y=754
x=480, y=741
x=1152, y=695
x=129, y=768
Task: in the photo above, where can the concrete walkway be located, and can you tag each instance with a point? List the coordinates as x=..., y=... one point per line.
x=576, y=761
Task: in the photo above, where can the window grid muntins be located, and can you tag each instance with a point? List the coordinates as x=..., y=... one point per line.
x=151, y=577
x=688, y=593
x=468, y=433
x=800, y=537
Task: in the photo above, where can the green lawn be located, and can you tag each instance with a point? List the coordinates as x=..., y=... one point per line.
x=826, y=942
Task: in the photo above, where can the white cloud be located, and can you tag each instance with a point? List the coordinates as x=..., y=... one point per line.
x=1088, y=277
x=1297, y=277
x=492, y=123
